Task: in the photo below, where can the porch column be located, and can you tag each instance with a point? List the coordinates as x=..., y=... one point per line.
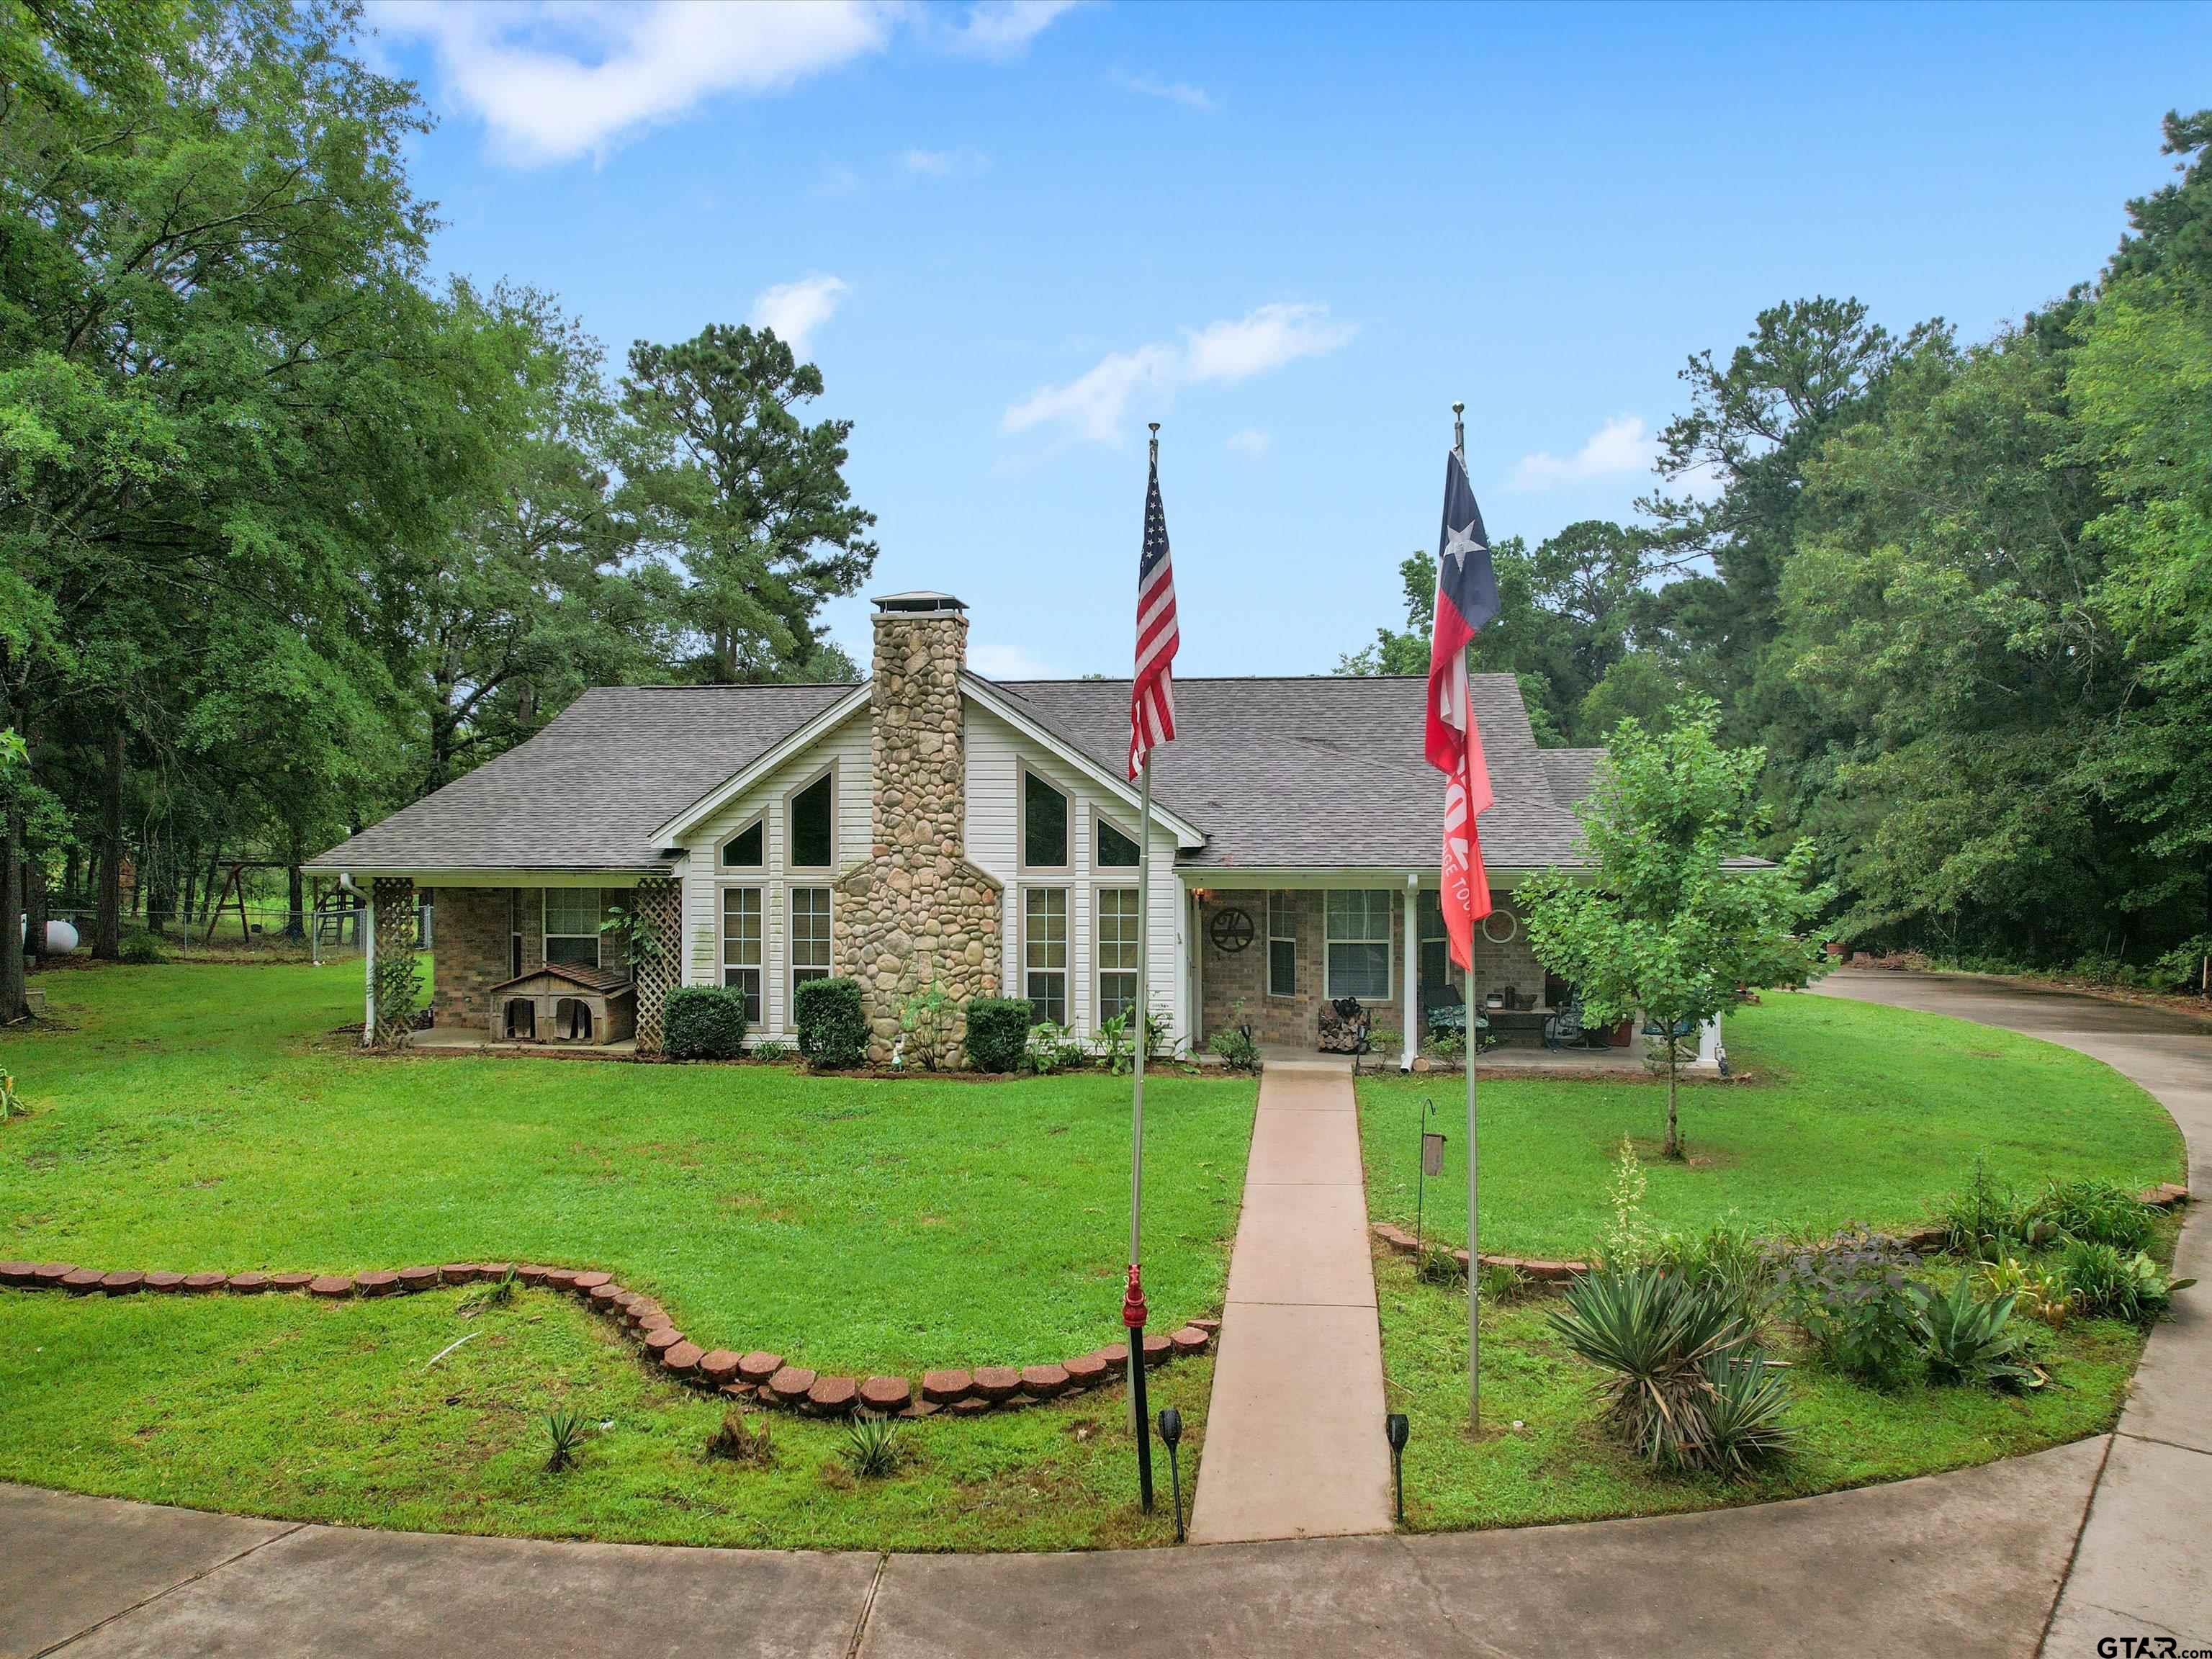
x=1410, y=956
x=366, y=927
x=658, y=902
x=1709, y=1042
x=395, y=976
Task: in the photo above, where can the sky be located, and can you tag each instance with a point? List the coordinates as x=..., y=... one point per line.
x=1011, y=234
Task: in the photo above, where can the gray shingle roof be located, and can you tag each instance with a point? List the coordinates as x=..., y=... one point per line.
x=588, y=792
x=1571, y=772
x=1311, y=773
x=1317, y=773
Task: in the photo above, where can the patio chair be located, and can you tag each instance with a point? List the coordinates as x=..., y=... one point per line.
x=1442, y=1007
x=1566, y=1024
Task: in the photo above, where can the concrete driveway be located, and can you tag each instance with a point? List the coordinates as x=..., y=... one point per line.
x=1969, y=1564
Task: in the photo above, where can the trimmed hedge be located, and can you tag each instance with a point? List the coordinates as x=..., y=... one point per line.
x=998, y=1032
x=704, y=1022
x=833, y=1032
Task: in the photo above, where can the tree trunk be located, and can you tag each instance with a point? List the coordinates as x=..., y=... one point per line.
x=295, y=899
x=1674, y=1133
x=12, y=1007
x=35, y=905
x=107, y=930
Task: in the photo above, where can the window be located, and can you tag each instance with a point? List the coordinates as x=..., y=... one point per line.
x=1044, y=951
x=1358, y=952
x=1436, y=966
x=741, y=945
x=572, y=926
x=1282, y=944
x=809, y=935
x=514, y=932
x=742, y=850
x=1118, y=945
x=1044, y=824
x=1115, y=850
x=813, y=845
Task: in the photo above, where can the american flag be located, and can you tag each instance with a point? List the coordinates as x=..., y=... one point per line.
x=1152, y=697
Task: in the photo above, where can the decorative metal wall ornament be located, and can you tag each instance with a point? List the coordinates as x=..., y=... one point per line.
x=1231, y=930
x=1512, y=928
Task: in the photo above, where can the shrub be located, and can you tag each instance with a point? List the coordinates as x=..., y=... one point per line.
x=1237, y=1049
x=1983, y=1219
x=998, y=1032
x=872, y=1447
x=925, y=1028
x=2095, y=1210
x=565, y=1429
x=1850, y=1295
x=1437, y=1265
x=1501, y=1282
x=704, y=1022
x=1971, y=1342
x=833, y=1032
x=139, y=949
x=1669, y=1346
x=1724, y=1259
x=1051, y=1050
x=2099, y=1279
x=739, y=1442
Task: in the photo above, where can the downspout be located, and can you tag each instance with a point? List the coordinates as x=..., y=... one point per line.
x=1410, y=964
x=368, y=959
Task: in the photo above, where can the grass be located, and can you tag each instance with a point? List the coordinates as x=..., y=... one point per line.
x=200, y=1118
x=1560, y=1464
x=1853, y=1112
x=310, y=1411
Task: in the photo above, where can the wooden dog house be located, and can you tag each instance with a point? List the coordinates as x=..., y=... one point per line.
x=561, y=1004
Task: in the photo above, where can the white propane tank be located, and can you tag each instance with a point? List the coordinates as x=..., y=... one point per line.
x=61, y=937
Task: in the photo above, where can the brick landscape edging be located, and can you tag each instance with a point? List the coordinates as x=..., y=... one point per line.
x=1918, y=1239
x=764, y=1379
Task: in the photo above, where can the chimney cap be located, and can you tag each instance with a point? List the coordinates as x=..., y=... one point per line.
x=919, y=602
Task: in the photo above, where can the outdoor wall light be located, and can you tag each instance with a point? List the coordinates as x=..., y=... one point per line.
x=1171, y=1436
x=1396, y=1430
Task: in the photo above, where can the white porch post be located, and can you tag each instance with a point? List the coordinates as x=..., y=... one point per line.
x=1709, y=1042
x=1410, y=957
x=368, y=971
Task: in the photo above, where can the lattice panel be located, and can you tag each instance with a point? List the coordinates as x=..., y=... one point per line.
x=660, y=966
x=398, y=971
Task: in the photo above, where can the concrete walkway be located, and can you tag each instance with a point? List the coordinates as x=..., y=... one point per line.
x=1957, y=1565
x=2144, y=1563
x=1294, y=1445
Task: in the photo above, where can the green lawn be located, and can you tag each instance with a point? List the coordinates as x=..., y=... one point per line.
x=1852, y=1113
x=205, y=1117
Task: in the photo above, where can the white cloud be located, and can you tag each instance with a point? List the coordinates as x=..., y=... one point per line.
x=1173, y=92
x=1620, y=445
x=556, y=79
x=1004, y=28
x=1006, y=662
x=795, y=310
x=1250, y=441
x=944, y=163
x=1094, y=405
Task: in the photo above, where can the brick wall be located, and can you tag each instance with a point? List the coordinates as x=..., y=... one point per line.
x=472, y=951
x=1236, y=985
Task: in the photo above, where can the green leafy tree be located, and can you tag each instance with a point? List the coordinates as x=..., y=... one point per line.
x=723, y=478
x=1674, y=916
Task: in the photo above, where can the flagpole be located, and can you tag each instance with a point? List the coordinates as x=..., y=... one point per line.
x=1133, y=1300
x=1473, y=1162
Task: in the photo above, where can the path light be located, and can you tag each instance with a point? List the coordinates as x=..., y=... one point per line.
x=1395, y=1429
x=1171, y=1436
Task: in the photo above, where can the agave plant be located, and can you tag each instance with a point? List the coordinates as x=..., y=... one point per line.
x=1973, y=1342
x=872, y=1447
x=1657, y=1335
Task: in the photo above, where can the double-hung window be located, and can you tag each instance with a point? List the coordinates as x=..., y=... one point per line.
x=1358, y=944
x=1118, y=944
x=741, y=946
x=1436, y=966
x=1044, y=953
x=572, y=926
x=1282, y=944
x=810, y=936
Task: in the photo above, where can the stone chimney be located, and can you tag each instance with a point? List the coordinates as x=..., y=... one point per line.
x=917, y=913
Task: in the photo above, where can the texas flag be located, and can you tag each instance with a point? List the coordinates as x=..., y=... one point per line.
x=1466, y=599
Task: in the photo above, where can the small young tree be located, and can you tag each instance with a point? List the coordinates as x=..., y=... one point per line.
x=1675, y=917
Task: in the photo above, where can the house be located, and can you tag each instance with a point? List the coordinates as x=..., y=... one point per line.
x=930, y=824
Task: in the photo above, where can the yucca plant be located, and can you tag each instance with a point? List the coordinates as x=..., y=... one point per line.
x=871, y=1447
x=565, y=1429
x=1973, y=1342
x=1743, y=1413
x=1656, y=1334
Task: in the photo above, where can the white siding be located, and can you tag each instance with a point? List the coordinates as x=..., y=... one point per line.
x=996, y=754
x=846, y=750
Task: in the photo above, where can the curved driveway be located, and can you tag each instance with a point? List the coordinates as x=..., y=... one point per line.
x=1959, y=1564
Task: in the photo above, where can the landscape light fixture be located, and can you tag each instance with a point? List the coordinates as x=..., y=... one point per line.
x=1171, y=1436
x=1395, y=1429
